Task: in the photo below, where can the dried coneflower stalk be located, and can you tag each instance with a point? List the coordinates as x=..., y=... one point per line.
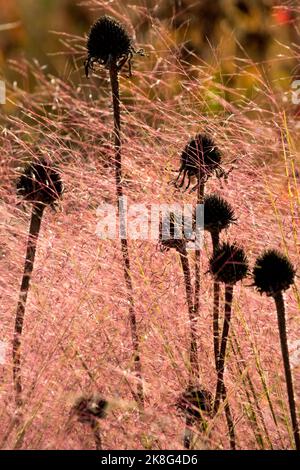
x=41, y=186
x=273, y=274
x=218, y=215
x=228, y=265
x=199, y=159
x=89, y=409
x=110, y=45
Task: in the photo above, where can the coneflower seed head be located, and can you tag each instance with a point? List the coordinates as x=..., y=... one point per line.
x=273, y=272
x=229, y=264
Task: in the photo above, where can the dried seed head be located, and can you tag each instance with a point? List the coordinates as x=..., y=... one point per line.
x=194, y=402
x=229, y=264
x=200, y=158
x=218, y=213
x=273, y=272
x=107, y=41
x=39, y=183
x=89, y=407
x=171, y=233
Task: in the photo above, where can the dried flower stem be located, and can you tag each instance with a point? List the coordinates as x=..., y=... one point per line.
x=113, y=72
x=97, y=435
x=200, y=198
x=286, y=362
x=222, y=355
x=34, y=229
x=215, y=236
x=189, y=297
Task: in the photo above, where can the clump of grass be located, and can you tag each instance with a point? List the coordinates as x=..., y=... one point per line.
x=110, y=45
x=273, y=274
x=41, y=186
x=89, y=409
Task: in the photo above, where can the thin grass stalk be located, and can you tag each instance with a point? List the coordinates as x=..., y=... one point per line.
x=114, y=80
x=278, y=297
x=34, y=230
x=237, y=352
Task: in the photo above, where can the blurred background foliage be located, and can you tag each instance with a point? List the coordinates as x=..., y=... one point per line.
x=243, y=41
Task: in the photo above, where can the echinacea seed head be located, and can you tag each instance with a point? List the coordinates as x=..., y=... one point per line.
x=107, y=41
x=218, y=213
x=40, y=183
x=229, y=264
x=200, y=155
x=88, y=407
x=273, y=272
x=194, y=402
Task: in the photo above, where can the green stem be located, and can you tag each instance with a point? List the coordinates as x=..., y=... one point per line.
x=286, y=362
x=114, y=80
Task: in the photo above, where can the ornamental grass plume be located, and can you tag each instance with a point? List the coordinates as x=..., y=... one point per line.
x=228, y=265
x=89, y=409
x=219, y=215
x=41, y=186
x=110, y=45
x=273, y=273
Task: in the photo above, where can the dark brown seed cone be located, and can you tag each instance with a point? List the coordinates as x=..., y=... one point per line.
x=39, y=183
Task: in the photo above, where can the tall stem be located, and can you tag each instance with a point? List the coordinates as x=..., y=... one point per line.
x=113, y=72
x=200, y=198
x=215, y=236
x=286, y=362
x=194, y=366
x=97, y=434
x=192, y=317
x=34, y=229
x=222, y=355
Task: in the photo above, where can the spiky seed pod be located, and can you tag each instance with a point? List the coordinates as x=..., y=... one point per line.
x=174, y=237
x=89, y=407
x=229, y=264
x=39, y=183
x=273, y=272
x=200, y=158
x=107, y=41
x=194, y=402
x=218, y=213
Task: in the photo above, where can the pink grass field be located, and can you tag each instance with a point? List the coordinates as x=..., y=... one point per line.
x=76, y=336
